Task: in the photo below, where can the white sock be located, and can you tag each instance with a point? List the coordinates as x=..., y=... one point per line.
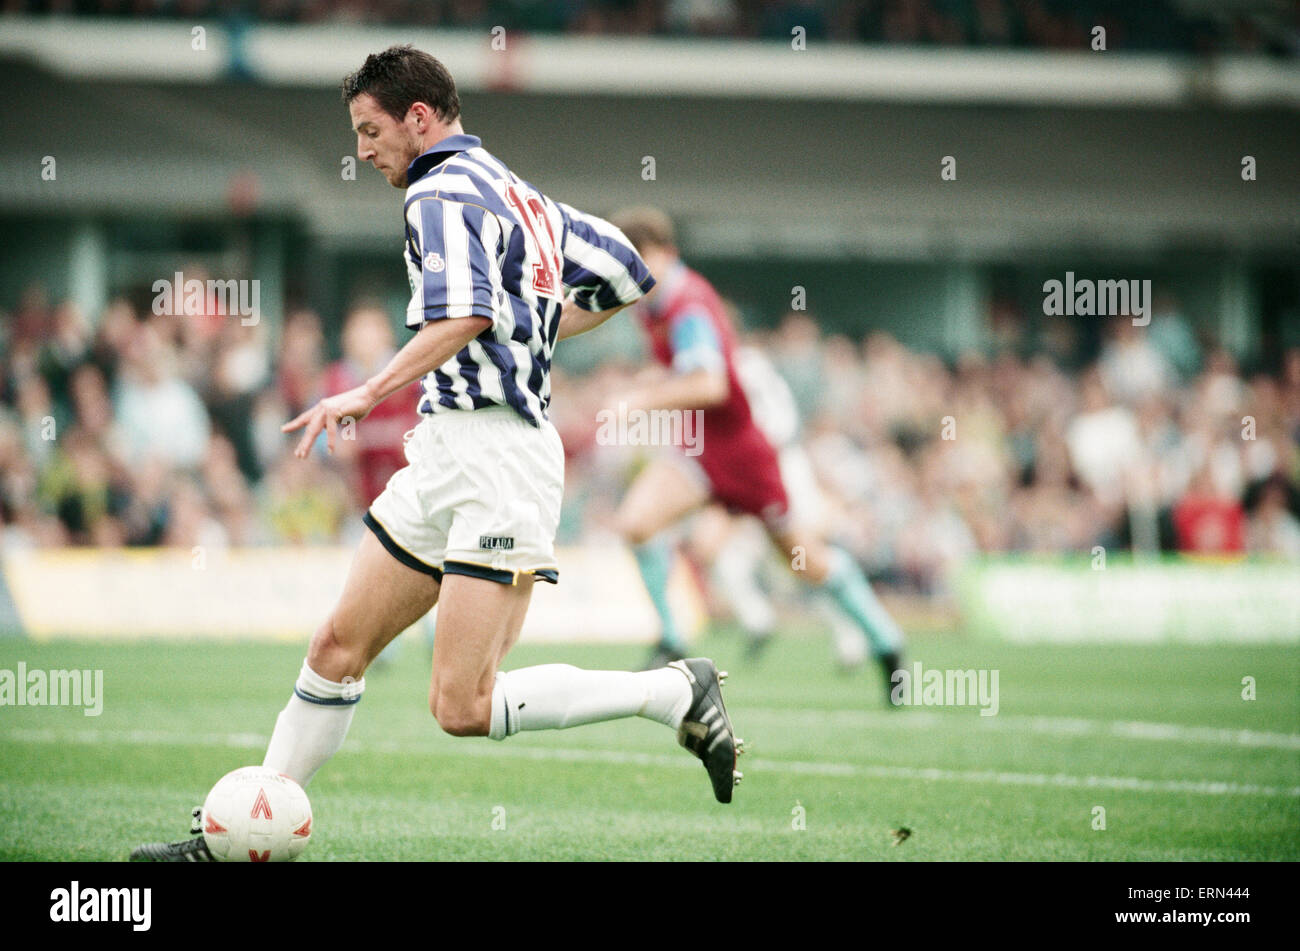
x=556, y=696
x=311, y=728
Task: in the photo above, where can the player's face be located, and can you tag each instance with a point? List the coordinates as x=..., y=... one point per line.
x=387, y=144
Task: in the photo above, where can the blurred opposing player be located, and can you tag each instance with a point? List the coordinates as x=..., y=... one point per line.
x=689, y=332
x=469, y=523
x=736, y=549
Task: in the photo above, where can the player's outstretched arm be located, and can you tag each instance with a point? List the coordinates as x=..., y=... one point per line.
x=575, y=320
x=692, y=389
x=436, y=343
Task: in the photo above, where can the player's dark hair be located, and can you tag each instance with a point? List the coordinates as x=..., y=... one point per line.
x=645, y=227
x=401, y=76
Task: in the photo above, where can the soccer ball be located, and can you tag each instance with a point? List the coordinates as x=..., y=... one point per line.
x=255, y=814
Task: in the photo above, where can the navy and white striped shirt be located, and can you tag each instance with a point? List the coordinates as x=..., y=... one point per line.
x=480, y=241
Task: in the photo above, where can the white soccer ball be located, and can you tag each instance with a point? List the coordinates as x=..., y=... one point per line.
x=255, y=814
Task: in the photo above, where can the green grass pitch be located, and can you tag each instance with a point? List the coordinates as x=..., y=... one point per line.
x=1158, y=736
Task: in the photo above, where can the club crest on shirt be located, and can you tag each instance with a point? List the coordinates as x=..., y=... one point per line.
x=433, y=262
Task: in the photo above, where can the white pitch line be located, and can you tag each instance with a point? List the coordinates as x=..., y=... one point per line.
x=625, y=757
x=1051, y=726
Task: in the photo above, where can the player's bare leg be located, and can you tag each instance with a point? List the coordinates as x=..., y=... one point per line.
x=805, y=552
x=662, y=495
x=834, y=573
x=479, y=621
x=711, y=532
x=381, y=598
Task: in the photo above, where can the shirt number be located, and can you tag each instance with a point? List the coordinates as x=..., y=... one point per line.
x=547, y=269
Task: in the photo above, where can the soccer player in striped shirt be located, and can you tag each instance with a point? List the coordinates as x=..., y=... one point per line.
x=499, y=272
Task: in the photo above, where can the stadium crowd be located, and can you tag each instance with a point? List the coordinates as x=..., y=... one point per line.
x=1046, y=24
x=140, y=429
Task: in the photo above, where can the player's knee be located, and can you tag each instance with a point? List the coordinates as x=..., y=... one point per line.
x=459, y=717
x=459, y=722
x=332, y=657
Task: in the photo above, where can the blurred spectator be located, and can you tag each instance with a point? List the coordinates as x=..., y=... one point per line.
x=1131, y=366
x=1153, y=24
x=798, y=356
x=1273, y=529
x=301, y=363
x=1207, y=521
x=231, y=499
x=241, y=368
x=701, y=17
x=1172, y=337
x=36, y=417
x=160, y=414
x=105, y=441
x=305, y=500
x=190, y=521
x=1103, y=441
x=65, y=348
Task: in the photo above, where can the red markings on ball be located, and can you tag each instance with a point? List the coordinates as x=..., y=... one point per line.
x=261, y=806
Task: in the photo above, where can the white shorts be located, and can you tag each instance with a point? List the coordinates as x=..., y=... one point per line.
x=480, y=496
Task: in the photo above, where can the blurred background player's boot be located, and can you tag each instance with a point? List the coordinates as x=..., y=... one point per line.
x=756, y=644
x=889, y=663
x=847, y=587
x=663, y=654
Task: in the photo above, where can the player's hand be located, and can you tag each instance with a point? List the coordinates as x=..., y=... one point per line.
x=350, y=406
